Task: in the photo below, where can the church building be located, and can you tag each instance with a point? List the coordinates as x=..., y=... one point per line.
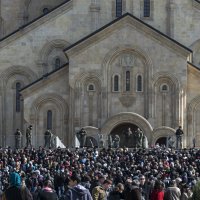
x=101, y=65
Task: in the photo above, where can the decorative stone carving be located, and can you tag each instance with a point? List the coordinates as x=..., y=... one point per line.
x=127, y=100
x=127, y=60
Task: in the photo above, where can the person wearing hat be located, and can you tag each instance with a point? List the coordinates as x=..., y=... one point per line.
x=15, y=191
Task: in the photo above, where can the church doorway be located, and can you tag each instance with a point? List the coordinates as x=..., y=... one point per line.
x=161, y=141
x=121, y=130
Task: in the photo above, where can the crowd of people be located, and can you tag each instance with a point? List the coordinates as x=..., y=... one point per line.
x=99, y=174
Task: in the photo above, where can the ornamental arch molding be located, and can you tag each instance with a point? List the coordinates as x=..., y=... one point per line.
x=20, y=70
x=33, y=8
x=87, y=99
x=54, y=98
x=143, y=57
x=59, y=105
x=162, y=132
x=135, y=50
x=48, y=47
x=172, y=96
x=11, y=118
x=192, y=109
x=52, y=52
x=128, y=117
x=84, y=78
x=161, y=75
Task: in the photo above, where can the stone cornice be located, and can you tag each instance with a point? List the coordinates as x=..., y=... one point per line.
x=36, y=23
x=196, y=4
x=128, y=20
x=193, y=66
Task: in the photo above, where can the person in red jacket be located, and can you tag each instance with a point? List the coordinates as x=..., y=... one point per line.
x=158, y=191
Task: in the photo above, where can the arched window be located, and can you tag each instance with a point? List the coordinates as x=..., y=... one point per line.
x=118, y=8
x=139, y=83
x=128, y=82
x=49, y=120
x=116, y=83
x=91, y=87
x=18, y=87
x=164, y=88
x=147, y=8
x=57, y=63
x=45, y=10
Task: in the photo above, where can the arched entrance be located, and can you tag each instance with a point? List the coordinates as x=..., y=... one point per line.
x=121, y=130
x=162, y=141
x=162, y=134
x=127, y=118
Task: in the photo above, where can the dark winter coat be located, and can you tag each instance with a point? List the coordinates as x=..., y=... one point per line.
x=78, y=192
x=47, y=195
x=17, y=193
x=134, y=194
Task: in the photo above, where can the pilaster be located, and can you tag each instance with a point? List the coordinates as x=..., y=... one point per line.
x=171, y=7
x=95, y=14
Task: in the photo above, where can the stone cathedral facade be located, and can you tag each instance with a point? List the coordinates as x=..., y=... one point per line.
x=104, y=65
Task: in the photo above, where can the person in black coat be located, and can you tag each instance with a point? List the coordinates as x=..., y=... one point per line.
x=117, y=193
x=179, y=134
x=47, y=193
x=134, y=192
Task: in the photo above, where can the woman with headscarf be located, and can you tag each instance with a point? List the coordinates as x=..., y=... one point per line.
x=15, y=191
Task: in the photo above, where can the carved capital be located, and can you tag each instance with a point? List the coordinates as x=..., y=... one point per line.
x=127, y=100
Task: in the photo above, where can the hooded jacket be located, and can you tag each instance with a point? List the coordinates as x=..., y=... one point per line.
x=78, y=192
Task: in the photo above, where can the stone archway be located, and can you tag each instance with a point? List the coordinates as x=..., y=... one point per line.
x=163, y=132
x=128, y=118
x=121, y=130
x=162, y=141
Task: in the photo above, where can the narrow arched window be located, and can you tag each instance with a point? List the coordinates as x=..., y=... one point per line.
x=18, y=87
x=57, y=63
x=139, y=83
x=49, y=120
x=91, y=87
x=147, y=8
x=128, y=82
x=164, y=88
x=118, y=8
x=116, y=83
